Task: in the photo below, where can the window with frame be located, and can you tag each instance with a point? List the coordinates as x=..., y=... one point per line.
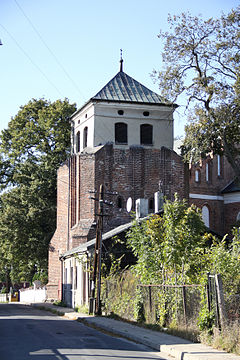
x=121, y=133
x=120, y=202
x=78, y=142
x=219, y=168
x=205, y=215
x=197, y=175
x=151, y=205
x=146, y=134
x=85, y=137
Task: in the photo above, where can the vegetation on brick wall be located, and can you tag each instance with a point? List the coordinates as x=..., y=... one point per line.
x=174, y=250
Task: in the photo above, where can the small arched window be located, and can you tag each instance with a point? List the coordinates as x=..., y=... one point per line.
x=120, y=202
x=146, y=134
x=205, y=215
x=78, y=142
x=151, y=205
x=121, y=136
x=207, y=171
x=219, y=167
x=238, y=217
x=85, y=137
x=197, y=175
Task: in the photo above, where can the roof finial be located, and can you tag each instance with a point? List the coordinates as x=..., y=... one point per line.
x=121, y=61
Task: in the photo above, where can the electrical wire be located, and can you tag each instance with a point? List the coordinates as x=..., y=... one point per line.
x=50, y=51
x=30, y=59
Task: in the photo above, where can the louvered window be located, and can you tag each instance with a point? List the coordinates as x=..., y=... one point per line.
x=121, y=136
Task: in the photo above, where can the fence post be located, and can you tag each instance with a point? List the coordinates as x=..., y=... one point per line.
x=150, y=298
x=220, y=300
x=184, y=304
x=209, y=300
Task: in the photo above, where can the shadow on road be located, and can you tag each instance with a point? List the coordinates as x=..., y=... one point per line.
x=28, y=333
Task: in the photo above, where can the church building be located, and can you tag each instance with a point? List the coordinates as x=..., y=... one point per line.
x=122, y=138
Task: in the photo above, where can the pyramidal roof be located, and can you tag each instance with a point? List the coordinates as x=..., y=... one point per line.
x=124, y=88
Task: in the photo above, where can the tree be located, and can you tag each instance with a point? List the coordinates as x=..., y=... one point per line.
x=201, y=62
x=168, y=245
x=35, y=144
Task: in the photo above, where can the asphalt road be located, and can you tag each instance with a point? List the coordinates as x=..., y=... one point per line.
x=29, y=333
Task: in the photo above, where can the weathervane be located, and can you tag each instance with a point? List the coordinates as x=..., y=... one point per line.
x=121, y=61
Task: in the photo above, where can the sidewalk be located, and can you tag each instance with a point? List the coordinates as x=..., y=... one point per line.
x=168, y=345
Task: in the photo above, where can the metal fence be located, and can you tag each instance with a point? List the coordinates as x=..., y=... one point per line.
x=168, y=304
x=165, y=305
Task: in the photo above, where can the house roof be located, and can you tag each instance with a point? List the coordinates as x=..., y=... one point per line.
x=234, y=186
x=90, y=244
x=123, y=87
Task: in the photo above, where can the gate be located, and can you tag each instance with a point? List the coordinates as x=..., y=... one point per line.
x=215, y=299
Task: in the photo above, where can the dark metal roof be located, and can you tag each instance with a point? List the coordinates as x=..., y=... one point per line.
x=124, y=88
x=90, y=244
x=234, y=186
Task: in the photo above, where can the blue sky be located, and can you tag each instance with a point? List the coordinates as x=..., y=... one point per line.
x=71, y=48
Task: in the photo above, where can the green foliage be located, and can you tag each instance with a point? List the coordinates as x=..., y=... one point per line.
x=41, y=276
x=206, y=320
x=167, y=245
x=201, y=62
x=225, y=260
x=139, y=306
x=4, y=290
x=60, y=303
x=83, y=309
x=35, y=144
x=172, y=249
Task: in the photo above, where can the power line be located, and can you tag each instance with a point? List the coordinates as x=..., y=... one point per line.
x=30, y=59
x=48, y=48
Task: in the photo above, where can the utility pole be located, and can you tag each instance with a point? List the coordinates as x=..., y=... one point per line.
x=95, y=303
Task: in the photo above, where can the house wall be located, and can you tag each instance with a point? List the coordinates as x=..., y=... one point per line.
x=135, y=172
x=223, y=208
x=75, y=281
x=59, y=242
x=100, y=118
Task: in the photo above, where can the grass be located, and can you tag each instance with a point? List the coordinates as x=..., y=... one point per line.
x=228, y=339
x=59, y=303
x=83, y=309
x=53, y=311
x=189, y=333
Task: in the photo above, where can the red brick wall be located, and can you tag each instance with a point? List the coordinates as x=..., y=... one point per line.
x=230, y=216
x=221, y=216
x=134, y=172
x=59, y=241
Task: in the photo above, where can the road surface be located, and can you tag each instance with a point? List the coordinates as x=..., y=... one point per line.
x=29, y=333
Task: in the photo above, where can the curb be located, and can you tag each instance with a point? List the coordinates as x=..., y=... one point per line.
x=184, y=351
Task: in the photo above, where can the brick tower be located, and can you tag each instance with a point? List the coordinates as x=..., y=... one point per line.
x=121, y=138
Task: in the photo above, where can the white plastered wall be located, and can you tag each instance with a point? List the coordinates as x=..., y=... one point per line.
x=100, y=118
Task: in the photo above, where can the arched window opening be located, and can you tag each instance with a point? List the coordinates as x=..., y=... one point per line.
x=151, y=205
x=146, y=134
x=85, y=137
x=219, y=168
x=207, y=171
x=238, y=218
x=120, y=202
x=205, y=215
x=78, y=141
x=197, y=175
x=121, y=136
